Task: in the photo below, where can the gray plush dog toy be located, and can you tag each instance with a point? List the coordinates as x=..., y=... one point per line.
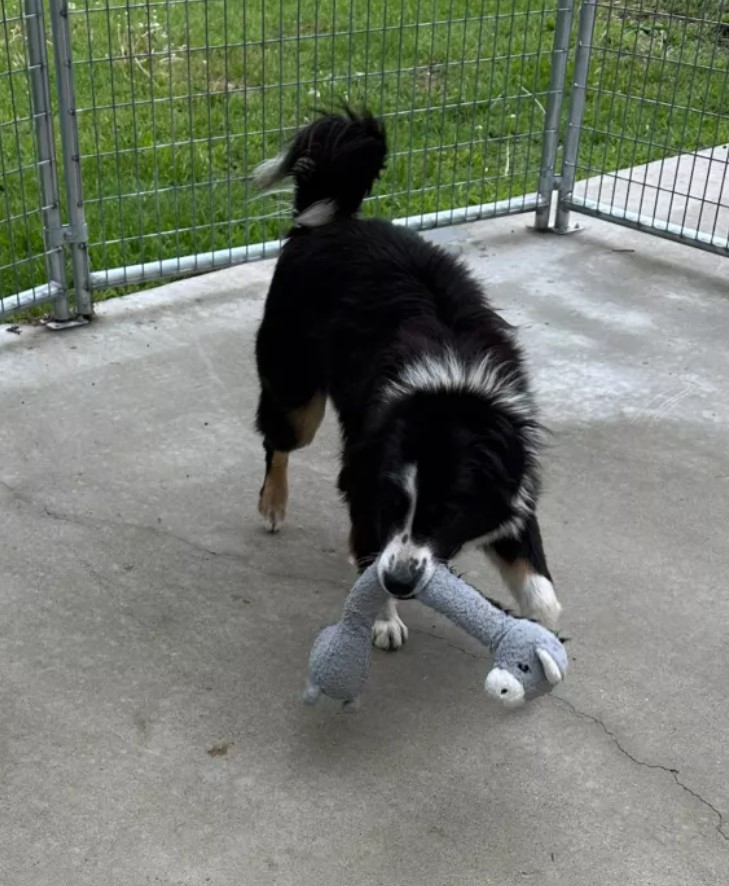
x=528, y=661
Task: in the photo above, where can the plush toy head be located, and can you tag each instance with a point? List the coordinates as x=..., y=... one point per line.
x=528, y=661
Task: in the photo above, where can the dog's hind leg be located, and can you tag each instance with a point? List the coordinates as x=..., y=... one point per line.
x=274, y=495
x=283, y=431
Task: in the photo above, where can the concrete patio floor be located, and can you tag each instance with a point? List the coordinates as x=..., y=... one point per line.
x=153, y=638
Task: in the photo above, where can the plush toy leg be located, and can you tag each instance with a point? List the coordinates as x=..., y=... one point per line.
x=311, y=693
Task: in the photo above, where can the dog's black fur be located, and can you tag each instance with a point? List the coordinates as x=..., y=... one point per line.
x=440, y=435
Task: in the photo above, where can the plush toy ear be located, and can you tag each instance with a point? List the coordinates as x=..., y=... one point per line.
x=551, y=668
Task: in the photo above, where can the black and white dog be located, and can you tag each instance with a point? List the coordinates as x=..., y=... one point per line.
x=441, y=439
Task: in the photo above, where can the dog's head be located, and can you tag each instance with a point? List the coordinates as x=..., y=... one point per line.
x=445, y=468
x=334, y=162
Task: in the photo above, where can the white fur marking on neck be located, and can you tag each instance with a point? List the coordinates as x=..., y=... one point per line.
x=449, y=372
x=525, y=499
x=316, y=215
x=509, y=529
x=499, y=385
x=402, y=547
x=409, y=482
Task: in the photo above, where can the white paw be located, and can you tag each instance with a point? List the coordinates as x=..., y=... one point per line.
x=272, y=511
x=538, y=601
x=273, y=520
x=389, y=633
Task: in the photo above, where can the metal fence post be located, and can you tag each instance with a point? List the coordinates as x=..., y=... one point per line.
x=76, y=233
x=576, y=112
x=548, y=180
x=46, y=155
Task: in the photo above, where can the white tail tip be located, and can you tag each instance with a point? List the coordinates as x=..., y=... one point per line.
x=269, y=173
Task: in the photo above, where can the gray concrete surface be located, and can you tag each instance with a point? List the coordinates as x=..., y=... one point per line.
x=153, y=639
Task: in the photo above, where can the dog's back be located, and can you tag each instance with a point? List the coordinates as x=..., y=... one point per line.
x=375, y=297
x=369, y=291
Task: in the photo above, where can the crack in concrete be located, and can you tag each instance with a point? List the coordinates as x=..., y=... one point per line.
x=674, y=773
x=87, y=523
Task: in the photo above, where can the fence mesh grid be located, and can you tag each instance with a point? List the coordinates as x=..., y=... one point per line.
x=178, y=101
x=659, y=88
x=23, y=262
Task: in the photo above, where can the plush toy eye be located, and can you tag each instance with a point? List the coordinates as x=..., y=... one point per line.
x=523, y=668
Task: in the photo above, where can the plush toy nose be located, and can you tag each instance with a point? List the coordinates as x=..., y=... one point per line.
x=402, y=577
x=504, y=687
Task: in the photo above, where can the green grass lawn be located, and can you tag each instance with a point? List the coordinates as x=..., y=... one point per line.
x=177, y=101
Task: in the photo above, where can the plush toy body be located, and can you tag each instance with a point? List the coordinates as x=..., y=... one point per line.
x=528, y=659
x=340, y=659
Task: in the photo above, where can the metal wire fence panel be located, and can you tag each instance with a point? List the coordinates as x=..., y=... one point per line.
x=653, y=138
x=177, y=101
x=165, y=106
x=30, y=272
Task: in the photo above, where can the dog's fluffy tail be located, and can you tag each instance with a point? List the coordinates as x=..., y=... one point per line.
x=334, y=163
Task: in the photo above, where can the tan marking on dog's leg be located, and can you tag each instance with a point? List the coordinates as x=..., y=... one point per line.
x=275, y=493
x=533, y=592
x=306, y=419
x=274, y=496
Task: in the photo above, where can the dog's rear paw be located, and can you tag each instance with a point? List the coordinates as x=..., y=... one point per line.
x=272, y=508
x=275, y=492
x=389, y=633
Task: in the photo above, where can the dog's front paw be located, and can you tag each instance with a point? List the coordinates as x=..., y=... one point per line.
x=389, y=631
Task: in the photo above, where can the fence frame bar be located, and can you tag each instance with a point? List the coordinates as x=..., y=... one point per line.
x=576, y=113
x=56, y=287
x=224, y=258
x=30, y=298
x=648, y=224
x=75, y=234
x=548, y=178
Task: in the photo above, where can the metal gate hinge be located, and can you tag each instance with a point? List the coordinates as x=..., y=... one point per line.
x=58, y=237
